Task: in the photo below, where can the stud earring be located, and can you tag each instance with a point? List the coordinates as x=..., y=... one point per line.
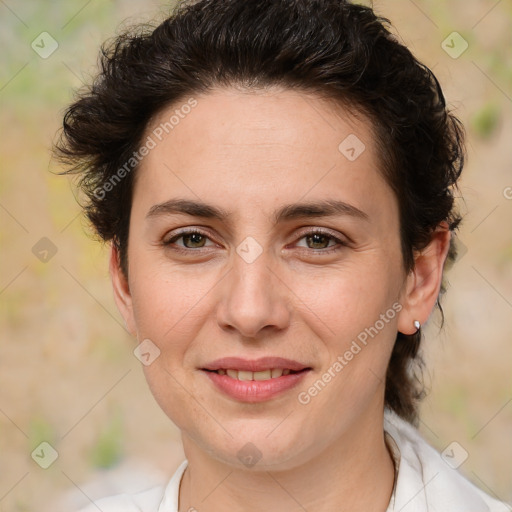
x=417, y=325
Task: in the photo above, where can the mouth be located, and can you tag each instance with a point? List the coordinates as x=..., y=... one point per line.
x=271, y=373
x=255, y=380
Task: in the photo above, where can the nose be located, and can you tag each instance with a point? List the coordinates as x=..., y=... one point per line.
x=254, y=298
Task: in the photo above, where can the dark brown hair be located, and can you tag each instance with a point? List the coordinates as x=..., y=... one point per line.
x=333, y=48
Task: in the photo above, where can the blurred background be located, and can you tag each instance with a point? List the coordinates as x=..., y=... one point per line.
x=68, y=376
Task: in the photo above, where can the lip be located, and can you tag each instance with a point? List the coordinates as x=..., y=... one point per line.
x=254, y=365
x=253, y=391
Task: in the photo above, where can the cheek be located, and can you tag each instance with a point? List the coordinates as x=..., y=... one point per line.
x=167, y=300
x=344, y=300
x=176, y=395
x=354, y=312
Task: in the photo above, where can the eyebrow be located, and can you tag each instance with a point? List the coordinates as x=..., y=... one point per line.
x=327, y=208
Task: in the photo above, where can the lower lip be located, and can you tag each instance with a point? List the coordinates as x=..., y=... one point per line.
x=255, y=390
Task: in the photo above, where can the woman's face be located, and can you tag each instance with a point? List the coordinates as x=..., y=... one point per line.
x=271, y=279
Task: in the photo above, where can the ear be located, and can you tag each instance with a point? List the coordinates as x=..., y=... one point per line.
x=121, y=289
x=423, y=283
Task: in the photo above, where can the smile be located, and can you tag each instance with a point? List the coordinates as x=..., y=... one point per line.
x=253, y=387
x=273, y=373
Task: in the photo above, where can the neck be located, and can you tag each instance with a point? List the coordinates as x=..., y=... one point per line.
x=355, y=473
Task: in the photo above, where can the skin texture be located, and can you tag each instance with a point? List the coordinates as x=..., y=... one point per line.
x=251, y=153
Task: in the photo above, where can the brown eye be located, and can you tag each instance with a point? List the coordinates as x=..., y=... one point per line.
x=192, y=239
x=195, y=240
x=318, y=241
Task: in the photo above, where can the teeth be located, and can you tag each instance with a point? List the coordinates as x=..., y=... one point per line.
x=263, y=375
x=242, y=375
x=273, y=373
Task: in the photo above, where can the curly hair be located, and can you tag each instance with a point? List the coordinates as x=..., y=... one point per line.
x=338, y=50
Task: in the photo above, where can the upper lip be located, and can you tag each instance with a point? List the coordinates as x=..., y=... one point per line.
x=254, y=365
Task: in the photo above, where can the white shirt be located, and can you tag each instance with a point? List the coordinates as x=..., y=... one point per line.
x=424, y=481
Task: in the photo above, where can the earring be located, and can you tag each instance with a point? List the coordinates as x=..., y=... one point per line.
x=417, y=325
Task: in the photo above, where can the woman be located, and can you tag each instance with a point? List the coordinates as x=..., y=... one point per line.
x=276, y=181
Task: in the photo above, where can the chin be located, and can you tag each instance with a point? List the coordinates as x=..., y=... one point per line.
x=258, y=451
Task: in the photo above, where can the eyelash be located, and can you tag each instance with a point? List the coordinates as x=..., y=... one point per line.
x=169, y=243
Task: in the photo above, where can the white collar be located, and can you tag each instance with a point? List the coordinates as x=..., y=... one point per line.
x=170, y=500
x=424, y=482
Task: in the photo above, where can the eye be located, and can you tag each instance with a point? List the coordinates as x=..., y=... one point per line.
x=317, y=240
x=192, y=239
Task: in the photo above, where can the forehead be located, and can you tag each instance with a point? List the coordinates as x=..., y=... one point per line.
x=249, y=148
x=256, y=118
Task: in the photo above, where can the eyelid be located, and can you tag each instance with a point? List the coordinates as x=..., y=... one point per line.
x=324, y=231
x=341, y=240
x=340, y=244
x=186, y=231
